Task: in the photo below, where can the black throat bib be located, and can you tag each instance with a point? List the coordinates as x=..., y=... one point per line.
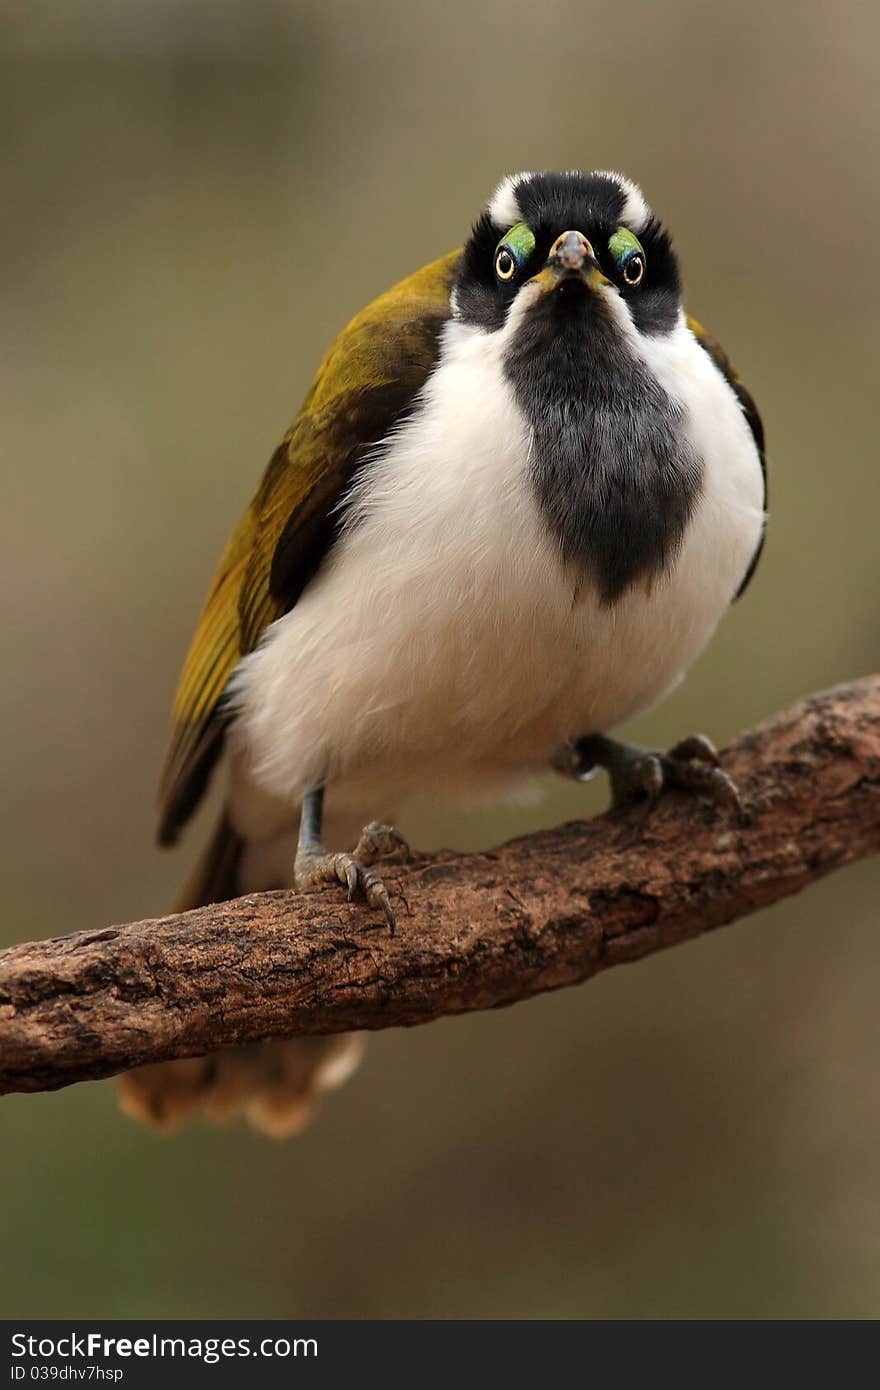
x=611, y=463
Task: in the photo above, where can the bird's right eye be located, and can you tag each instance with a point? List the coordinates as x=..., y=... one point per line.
x=512, y=253
x=505, y=265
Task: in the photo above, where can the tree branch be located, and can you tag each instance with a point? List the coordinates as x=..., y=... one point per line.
x=476, y=930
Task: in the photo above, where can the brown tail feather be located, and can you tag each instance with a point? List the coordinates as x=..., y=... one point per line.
x=273, y=1083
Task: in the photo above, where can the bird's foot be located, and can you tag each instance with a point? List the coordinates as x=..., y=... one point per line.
x=354, y=870
x=642, y=774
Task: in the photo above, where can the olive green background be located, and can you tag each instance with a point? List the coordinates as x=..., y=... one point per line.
x=196, y=197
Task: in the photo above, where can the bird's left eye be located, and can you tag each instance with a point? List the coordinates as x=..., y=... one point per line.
x=513, y=252
x=634, y=269
x=505, y=265
x=629, y=256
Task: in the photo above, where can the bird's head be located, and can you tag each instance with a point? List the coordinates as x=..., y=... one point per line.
x=579, y=254
x=570, y=288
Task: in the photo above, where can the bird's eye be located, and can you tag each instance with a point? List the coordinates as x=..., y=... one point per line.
x=513, y=251
x=505, y=265
x=629, y=255
x=634, y=269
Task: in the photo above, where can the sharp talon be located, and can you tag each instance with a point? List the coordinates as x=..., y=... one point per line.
x=377, y=896
x=351, y=876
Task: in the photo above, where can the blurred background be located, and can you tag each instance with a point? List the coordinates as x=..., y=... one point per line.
x=697, y=1135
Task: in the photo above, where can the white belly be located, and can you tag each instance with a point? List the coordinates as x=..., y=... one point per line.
x=444, y=647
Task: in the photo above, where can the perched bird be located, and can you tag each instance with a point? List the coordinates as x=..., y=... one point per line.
x=513, y=507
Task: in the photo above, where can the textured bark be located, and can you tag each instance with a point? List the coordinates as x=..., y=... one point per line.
x=476, y=930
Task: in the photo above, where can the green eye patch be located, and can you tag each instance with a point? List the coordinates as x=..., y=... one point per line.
x=519, y=241
x=622, y=244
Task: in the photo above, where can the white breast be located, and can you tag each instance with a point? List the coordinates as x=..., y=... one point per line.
x=443, y=646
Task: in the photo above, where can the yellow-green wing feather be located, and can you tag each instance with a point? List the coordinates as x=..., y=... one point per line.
x=750, y=410
x=367, y=381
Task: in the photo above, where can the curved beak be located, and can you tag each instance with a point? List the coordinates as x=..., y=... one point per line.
x=571, y=258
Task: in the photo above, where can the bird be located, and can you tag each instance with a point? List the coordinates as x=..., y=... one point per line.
x=518, y=498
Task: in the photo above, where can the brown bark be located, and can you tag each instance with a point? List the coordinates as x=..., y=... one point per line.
x=475, y=930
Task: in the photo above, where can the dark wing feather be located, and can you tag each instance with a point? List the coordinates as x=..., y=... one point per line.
x=749, y=410
x=364, y=386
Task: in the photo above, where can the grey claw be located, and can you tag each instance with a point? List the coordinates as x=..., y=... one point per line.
x=385, y=904
x=351, y=877
x=377, y=896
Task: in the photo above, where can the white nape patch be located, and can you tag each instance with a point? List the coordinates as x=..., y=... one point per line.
x=636, y=214
x=504, y=209
x=443, y=648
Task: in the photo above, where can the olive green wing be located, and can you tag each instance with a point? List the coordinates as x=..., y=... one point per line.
x=366, y=383
x=750, y=411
